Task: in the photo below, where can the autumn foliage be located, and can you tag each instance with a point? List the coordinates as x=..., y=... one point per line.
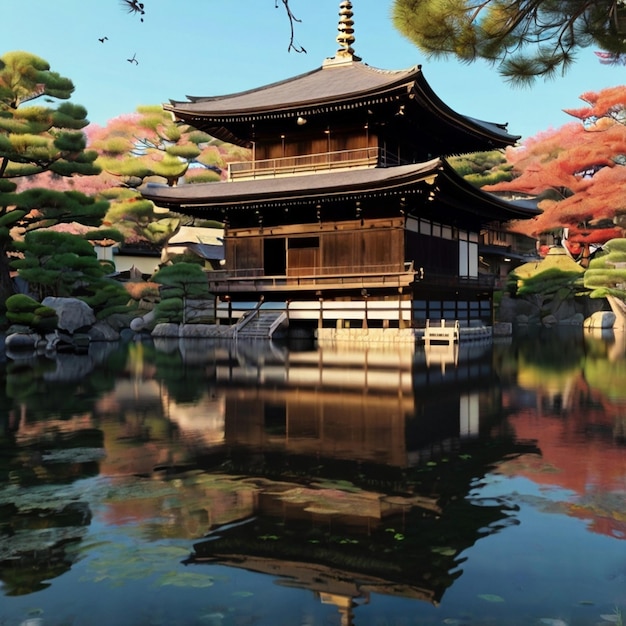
x=578, y=172
x=135, y=148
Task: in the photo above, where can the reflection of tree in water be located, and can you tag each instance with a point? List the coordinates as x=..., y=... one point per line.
x=47, y=444
x=554, y=349
x=550, y=365
x=39, y=544
x=578, y=377
x=57, y=417
x=63, y=387
x=579, y=427
x=42, y=515
x=185, y=382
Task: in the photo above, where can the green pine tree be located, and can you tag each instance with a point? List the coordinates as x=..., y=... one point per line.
x=525, y=39
x=35, y=139
x=64, y=265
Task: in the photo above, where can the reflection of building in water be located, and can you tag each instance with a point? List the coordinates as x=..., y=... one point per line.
x=366, y=404
x=203, y=419
x=361, y=461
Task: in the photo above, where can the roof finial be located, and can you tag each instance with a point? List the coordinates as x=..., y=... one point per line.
x=345, y=38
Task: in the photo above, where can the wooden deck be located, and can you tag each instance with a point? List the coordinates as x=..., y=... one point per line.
x=446, y=332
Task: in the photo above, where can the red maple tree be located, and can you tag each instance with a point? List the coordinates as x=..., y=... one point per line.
x=578, y=172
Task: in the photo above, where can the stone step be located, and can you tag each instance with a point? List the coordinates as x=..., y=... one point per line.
x=260, y=326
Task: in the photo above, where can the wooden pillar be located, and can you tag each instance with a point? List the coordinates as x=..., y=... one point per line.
x=365, y=295
x=320, y=322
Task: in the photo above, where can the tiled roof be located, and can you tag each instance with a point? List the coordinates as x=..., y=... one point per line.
x=323, y=85
x=450, y=188
x=328, y=88
x=283, y=188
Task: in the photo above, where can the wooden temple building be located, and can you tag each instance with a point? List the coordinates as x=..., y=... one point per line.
x=347, y=213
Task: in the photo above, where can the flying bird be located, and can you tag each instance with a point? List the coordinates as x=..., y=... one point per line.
x=133, y=59
x=134, y=6
x=103, y=39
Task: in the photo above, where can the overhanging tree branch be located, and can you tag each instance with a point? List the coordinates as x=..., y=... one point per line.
x=524, y=38
x=138, y=8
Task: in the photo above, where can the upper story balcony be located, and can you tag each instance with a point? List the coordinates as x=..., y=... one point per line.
x=389, y=276
x=311, y=163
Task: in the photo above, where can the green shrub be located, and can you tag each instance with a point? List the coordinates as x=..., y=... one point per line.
x=44, y=324
x=21, y=303
x=548, y=282
x=26, y=311
x=170, y=310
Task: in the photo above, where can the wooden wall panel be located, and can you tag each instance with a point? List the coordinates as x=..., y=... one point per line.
x=383, y=247
x=367, y=248
x=303, y=261
x=244, y=253
x=338, y=251
x=340, y=247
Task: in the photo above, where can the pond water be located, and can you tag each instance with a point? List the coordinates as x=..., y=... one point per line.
x=205, y=483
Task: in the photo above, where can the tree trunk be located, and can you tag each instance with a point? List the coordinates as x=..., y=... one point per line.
x=7, y=286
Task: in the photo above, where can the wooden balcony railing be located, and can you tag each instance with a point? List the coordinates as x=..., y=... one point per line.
x=310, y=163
x=224, y=281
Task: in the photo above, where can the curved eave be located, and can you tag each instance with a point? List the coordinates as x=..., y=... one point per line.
x=327, y=90
x=324, y=86
x=495, y=134
x=448, y=188
x=217, y=123
x=462, y=195
x=280, y=191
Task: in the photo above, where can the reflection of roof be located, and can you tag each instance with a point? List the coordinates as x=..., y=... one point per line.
x=435, y=175
x=325, y=579
x=333, y=88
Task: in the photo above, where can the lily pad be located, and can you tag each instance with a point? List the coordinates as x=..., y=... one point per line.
x=445, y=551
x=186, y=579
x=490, y=597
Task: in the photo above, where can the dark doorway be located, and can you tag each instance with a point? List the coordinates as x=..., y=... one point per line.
x=275, y=256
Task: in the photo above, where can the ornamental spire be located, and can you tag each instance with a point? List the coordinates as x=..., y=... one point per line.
x=345, y=38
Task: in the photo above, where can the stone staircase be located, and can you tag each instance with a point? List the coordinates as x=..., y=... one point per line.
x=260, y=324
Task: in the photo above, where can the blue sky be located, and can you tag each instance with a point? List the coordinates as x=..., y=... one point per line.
x=215, y=47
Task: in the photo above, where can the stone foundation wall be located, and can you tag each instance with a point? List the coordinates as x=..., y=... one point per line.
x=538, y=310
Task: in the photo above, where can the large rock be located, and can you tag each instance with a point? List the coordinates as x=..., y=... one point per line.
x=102, y=331
x=141, y=323
x=166, y=329
x=21, y=341
x=600, y=319
x=541, y=310
x=72, y=313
